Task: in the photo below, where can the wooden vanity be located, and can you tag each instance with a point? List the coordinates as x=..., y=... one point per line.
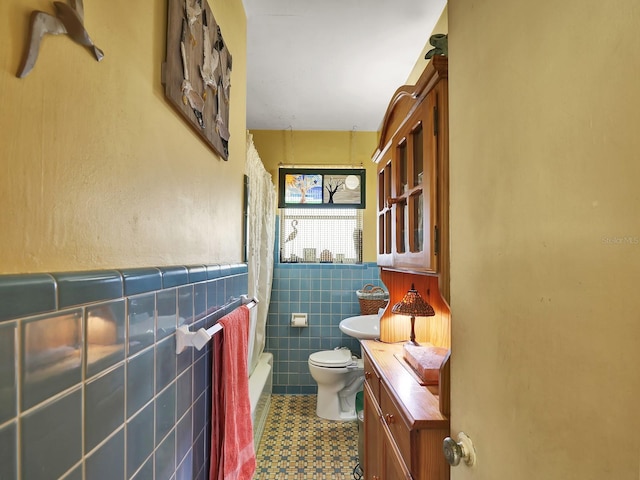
x=403, y=425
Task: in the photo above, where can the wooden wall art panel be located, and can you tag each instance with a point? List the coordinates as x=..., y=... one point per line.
x=197, y=72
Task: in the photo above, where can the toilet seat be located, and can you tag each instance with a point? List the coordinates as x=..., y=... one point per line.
x=332, y=358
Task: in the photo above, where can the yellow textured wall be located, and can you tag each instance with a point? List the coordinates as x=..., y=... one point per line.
x=545, y=237
x=96, y=168
x=303, y=148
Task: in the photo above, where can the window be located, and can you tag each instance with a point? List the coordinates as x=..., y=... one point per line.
x=321, y=235
x=321, y=188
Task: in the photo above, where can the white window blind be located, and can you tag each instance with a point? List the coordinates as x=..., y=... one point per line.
x=320, y=235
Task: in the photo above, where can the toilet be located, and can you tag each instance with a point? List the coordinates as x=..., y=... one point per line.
x=339, y=376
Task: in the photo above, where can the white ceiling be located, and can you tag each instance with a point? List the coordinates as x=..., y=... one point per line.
x=331, y=64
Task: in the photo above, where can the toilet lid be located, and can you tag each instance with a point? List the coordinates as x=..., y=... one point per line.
x=331, y=358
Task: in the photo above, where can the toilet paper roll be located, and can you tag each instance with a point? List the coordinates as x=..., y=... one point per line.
x=299, y=322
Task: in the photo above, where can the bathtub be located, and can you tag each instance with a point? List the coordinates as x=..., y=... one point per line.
x=260, y=386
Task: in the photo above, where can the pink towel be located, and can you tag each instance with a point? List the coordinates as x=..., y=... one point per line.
x=232, y=453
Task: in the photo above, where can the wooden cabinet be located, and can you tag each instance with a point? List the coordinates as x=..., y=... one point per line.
x=373, y=435
x=404, y=421
x=403, y=426
x=412, y=158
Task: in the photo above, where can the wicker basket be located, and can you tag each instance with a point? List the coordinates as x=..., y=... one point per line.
x=371, y=299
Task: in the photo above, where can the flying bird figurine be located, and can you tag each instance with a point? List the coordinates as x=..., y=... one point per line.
x=210, y=61
x=192, y=10
x=69, y=20
x=189, y=95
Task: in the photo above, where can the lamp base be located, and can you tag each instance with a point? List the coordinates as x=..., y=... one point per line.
x=412, y=338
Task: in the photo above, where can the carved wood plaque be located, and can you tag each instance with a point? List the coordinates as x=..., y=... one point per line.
x=197, y=72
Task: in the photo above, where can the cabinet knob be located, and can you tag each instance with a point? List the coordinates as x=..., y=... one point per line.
x=389, y=418
x=455, y=451
x=367, y=375
x=393, y=201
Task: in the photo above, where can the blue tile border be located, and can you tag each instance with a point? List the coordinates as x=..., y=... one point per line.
x=77, y=288
x=238, y=269
x=197, y=273
x=141, y=280
x=24, y=295
x=225, y=270
x=213, y=271
x=174, y=276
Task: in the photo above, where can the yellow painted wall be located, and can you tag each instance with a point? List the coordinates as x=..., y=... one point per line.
x=96, y=168
x=313, y=148
x=545, y=237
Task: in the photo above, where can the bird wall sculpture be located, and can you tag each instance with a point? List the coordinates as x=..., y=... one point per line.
x=69, y=20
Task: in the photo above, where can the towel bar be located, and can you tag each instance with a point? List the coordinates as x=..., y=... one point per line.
x=185, y=338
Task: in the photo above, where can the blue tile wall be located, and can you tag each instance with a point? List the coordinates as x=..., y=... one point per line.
x=8, y=446
x=7, y=372
x=90, y=385
x=51, y=355
x=51, y=437
x=107, y=462
x=139, y=439
x=327, y=293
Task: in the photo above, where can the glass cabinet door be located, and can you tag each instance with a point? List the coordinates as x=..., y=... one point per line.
x=418, y=155
x=403, y=167
x=416, y=206
x=385, y=222
x=415, y=170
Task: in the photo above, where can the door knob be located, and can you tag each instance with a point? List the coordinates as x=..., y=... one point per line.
x=462, y=449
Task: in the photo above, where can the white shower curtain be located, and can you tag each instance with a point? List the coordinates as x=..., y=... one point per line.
x=261, y=238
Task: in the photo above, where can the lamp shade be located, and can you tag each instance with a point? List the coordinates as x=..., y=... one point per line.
x=413, y=305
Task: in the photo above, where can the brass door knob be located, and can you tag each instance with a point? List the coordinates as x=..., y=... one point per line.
x=461, y=450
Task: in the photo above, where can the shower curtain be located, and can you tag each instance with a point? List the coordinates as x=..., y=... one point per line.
x=261, y=238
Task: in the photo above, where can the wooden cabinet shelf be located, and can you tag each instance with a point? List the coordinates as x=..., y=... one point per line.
x=403, y=426
x=413, y=192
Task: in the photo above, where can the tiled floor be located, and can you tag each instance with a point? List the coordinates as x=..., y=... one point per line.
x=298, y=445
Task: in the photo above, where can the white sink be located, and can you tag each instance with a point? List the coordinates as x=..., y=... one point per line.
x=361, y=326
